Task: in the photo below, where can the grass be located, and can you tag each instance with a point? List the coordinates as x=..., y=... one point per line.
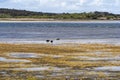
x=69, y=60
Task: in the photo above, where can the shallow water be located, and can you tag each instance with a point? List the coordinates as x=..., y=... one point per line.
x=39, y=32
x=99, y=58
x=108, y=68
x=2, y=59
x=45, y=68
x=23, y=55
x=32, y=55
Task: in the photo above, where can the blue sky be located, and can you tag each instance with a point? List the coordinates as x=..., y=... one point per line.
x=60, y=6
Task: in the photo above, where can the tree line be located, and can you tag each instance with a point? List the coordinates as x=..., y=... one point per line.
x=13, y=13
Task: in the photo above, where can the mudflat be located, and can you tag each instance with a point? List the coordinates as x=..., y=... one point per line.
x=59, y=62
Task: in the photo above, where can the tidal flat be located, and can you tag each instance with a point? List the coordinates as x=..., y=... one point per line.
x=59, y=62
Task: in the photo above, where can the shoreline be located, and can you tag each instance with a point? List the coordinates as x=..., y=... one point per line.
x=64, y=41
x=53, y=20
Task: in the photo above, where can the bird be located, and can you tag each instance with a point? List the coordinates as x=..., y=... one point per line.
x=47, y=41
x=58, y=39
x=51, y=41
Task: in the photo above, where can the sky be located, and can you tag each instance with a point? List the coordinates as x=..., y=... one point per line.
x=66, y=6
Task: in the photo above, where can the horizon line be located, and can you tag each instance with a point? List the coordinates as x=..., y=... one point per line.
x=59, y=12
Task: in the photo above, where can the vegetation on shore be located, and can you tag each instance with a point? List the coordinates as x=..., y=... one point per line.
x=13, y=13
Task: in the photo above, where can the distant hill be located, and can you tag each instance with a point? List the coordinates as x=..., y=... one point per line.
x=13, y=13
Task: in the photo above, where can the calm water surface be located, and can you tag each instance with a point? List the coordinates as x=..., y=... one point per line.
x=40, y=31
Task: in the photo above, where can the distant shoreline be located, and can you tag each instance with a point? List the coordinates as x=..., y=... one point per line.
x=52, y=20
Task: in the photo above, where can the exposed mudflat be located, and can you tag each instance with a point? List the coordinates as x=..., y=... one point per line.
x=59, y=62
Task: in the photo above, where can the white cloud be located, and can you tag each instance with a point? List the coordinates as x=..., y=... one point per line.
x=97, y=3
x=15, y=1
x=82, y=2
x=117, y=2
x=62, y=5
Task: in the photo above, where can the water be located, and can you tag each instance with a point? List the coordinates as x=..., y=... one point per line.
x=108, y=68
x=23, y=55
x=40, y=31
x=2, y=59
x=44, y=68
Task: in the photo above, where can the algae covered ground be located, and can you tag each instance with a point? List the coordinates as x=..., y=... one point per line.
x=59, y=62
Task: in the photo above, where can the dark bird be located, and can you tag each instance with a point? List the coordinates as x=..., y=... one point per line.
x=51, y=41
x=58, y=39
x=47, y=41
